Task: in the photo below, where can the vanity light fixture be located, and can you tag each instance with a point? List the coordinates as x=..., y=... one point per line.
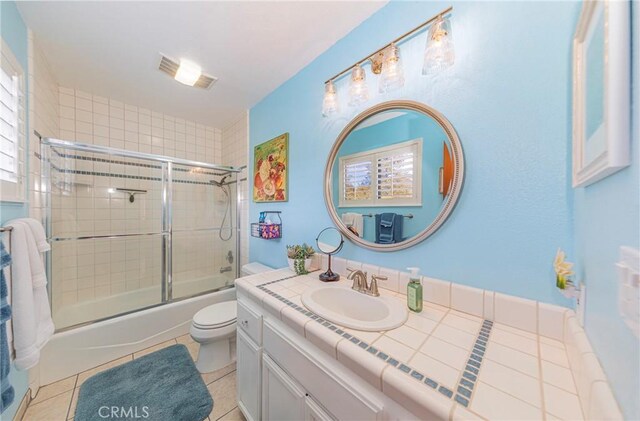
x=392, y=75
x=439, y=53
x=385, y=61
x=358, y=89
x=330, y=101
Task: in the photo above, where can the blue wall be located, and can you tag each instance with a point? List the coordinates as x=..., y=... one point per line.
x=400, y=129
x=607, y=217
x=14, y=33
x=509, y=98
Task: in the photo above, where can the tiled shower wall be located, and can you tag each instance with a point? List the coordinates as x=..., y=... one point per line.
x=44, y=117
x=235, y=141
x=103, y=121
x=86, y=204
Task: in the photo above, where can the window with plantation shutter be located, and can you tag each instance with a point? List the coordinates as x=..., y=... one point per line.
x=12, y=128
x=357, y=181
x=388, y=176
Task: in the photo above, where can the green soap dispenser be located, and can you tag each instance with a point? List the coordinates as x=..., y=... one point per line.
x=414, y=291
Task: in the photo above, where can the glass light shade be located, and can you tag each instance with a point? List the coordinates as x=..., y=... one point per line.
x=392, y=75
x=330, y=100
x=439, y=53
x=358, y=89
x=188, y=73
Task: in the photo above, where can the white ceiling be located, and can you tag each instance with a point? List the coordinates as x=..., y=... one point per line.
x=112, y=48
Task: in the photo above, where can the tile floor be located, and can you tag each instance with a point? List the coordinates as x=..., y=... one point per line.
x=57, y=401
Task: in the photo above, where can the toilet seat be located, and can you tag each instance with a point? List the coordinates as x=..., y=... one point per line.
x=216, y=316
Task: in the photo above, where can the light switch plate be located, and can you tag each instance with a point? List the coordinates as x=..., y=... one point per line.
x=629, y=288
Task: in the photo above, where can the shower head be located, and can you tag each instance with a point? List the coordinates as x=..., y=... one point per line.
x=219, y=183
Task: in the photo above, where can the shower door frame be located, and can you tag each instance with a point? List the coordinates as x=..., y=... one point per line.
x=166, y=231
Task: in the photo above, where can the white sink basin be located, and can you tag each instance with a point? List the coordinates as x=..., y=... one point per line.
x=355, y=310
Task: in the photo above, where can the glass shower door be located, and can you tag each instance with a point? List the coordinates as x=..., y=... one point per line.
x=105, y=224
x=203, y=230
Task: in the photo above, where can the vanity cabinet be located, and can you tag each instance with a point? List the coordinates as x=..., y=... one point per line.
x=249, y=361
x=314, y=412
x=282, y=398
x=281, y=376
x=249, y=357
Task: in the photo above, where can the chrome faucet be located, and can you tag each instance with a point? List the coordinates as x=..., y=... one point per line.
x=359, y=279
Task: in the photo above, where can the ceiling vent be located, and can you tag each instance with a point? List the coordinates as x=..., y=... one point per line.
x=170, y=67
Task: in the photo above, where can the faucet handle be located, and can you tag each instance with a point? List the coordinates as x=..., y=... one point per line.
x=373, y=288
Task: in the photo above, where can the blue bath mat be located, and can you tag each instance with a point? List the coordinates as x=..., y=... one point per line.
x=161, y=386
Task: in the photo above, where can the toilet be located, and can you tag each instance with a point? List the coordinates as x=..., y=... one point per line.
x=214, y=328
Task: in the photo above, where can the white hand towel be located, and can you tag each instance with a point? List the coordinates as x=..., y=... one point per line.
x=355, y=222
x=38, y=234
x=32, y=324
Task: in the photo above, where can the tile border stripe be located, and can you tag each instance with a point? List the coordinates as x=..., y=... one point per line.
x=466, y=384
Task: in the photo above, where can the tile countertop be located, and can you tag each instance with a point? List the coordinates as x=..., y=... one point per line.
x=453, y=363
x=441, y=360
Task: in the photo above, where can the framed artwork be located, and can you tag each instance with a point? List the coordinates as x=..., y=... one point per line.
x=271, y=169
x=601, y=90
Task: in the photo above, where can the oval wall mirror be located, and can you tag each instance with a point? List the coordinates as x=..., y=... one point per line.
x=394, y=175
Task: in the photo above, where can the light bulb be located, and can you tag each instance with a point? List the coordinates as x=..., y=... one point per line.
x=188, y=73
x=439, y=53
x=330, y=100
x=358, y=89
x=392, y=75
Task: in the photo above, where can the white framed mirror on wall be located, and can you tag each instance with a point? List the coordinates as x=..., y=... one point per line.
x=394, y=175
x=601, y=91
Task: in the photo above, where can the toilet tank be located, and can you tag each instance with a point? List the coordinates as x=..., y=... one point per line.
x=253, y=268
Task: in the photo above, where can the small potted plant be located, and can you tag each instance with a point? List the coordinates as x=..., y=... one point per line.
x=299, y=258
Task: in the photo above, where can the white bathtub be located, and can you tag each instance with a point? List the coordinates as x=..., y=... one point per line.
x=79, y=349
x=125, y=302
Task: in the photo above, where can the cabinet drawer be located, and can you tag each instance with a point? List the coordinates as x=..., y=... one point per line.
x=343, y=400
x=250, y=322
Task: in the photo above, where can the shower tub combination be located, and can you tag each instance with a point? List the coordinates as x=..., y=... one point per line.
x=139, y=243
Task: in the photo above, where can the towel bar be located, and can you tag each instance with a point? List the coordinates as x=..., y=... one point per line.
x=371, y=215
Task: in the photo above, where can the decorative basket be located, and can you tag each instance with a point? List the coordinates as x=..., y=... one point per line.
x=267, y=231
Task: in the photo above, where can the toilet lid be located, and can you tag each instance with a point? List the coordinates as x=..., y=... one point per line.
x=216, y=315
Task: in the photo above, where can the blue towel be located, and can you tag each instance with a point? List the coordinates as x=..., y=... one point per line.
x=389, y=228
x=6, y=390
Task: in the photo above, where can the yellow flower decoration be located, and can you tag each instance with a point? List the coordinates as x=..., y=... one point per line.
x=562, y=269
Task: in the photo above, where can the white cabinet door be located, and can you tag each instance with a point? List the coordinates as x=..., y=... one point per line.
x=282, y=398
x=249, y=361
x=314, y=412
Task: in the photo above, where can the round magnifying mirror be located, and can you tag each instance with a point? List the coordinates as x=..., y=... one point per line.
x=329, y=241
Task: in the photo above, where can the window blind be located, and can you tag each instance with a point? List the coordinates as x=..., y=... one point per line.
x=387, y=176
x=395, y=176
x=12, y=127
x=357, y=181
x=9, y=126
